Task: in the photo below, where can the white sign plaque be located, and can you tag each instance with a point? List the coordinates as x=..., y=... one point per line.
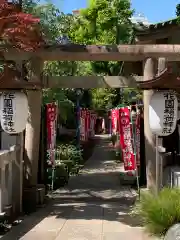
x=163, y=113
x=13, y=111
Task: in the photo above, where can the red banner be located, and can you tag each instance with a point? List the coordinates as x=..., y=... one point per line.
x=51, y=118
x=88, y=117
x=84, y=125
x=137, y=142
x=126, y=139
x=114, y=120
x=87, y=121
x=92, y=124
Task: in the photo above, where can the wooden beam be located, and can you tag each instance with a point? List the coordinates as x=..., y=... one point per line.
x=91, y=82
x=75, y=52
x=157, y=34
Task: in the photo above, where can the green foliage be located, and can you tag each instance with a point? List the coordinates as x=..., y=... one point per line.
x=55, y=24
x=102, y=98
x=160, y=212
x=65, y=105
x=107, y=98
x=101, y=21
x=104, y=22
x=70, y=156
x=29, y=5
x=50, y=17
x=69, y=160
x=60, y=177
x=128, y=99
x=68, y=152
x=178, y=10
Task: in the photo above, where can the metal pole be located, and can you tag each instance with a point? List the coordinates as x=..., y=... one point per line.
x=157, y=165
x=161, y=171
x=78, y=120
x=160, y=143
x=54, y=150
x=135, y=158
x=110, y=129
x=133, y=119
x=52, y=180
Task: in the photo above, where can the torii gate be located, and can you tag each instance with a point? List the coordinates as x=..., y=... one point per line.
x=151, y=79
x=75, y=52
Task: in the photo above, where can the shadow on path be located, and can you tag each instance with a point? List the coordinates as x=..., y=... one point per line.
x=94, y=196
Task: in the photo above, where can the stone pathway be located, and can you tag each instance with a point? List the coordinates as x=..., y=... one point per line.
x=93, y=207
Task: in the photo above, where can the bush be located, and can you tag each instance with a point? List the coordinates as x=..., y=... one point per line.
x=160, y=212
x=70, y=156
x=61, y=176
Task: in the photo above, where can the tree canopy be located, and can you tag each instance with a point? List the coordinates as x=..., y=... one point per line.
x=104, y=22
x=18, y=28
x=178, y=10
x=101, y=22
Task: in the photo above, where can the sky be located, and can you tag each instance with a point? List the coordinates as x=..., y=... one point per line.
x=154, y=10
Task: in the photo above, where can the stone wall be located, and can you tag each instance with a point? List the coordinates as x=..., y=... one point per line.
x=173, y=233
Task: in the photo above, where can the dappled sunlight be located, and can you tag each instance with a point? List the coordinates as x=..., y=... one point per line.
x=93, y=200
x=91, y=211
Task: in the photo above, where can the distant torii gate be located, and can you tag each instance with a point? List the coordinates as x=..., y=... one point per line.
x=151, y=79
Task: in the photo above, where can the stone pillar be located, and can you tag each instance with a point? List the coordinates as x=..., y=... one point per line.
x=161, y=64
x=159, y=157
x=32, y=137
x=150, y=152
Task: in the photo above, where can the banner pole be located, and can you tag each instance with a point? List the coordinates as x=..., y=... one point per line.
x=157, y=166
x=55, y=145
x=135, y=154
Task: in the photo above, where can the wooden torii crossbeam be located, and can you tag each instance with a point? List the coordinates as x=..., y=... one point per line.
x=163, y=80
x=88, y=82
x=75, y=52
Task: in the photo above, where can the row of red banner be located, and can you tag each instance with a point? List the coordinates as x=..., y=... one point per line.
x=121, y=124
x=87, y=128
x=87, y=124
x=51, y=126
